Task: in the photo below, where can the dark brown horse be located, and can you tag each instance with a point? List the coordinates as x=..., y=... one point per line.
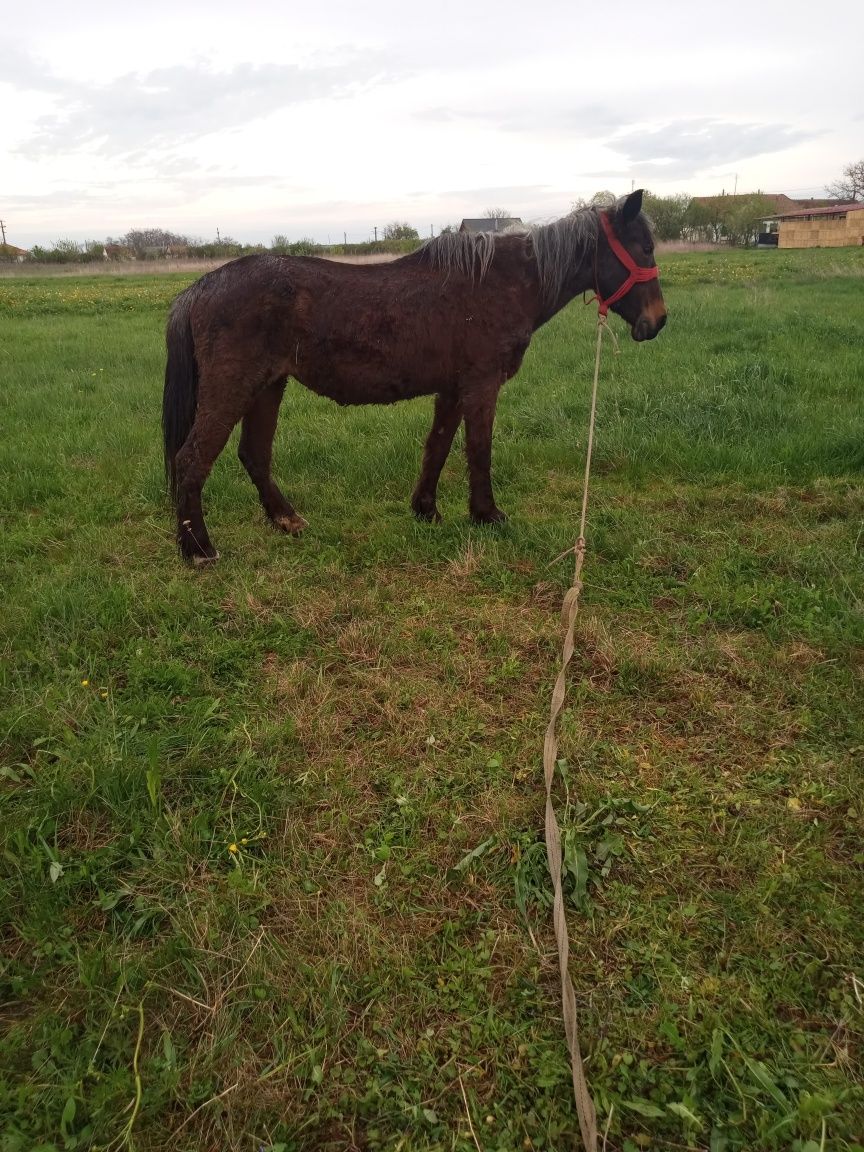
x=452, y=320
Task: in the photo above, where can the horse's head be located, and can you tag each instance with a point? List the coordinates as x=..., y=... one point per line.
x=625, y=274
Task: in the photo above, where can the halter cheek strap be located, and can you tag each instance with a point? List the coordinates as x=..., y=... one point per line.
x=635, y=274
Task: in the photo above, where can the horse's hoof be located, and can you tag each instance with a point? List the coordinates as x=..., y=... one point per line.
x=428, y=515
x=292, y=524
x=199, y=561
x=496, y=516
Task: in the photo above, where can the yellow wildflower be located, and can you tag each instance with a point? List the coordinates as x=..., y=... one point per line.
x=84, y=683
x=232, y=847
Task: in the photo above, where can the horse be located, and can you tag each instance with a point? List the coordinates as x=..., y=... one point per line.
x=452, y=319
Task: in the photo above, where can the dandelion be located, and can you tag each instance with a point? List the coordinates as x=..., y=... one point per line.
x=84, y=683
x=104, y=695
x=232, y=848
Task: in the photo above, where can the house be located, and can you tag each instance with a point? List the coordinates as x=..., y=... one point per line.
x=734, y=219
x=779, y=201
x=829, y=226
x=769, y=233
x=745, y=217
x=490, y=224
x=10, y=254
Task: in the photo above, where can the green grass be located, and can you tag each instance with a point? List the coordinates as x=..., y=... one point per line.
x=360, y=714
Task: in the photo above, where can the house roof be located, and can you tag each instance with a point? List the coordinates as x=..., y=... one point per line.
x=816, y=202
x=779, y=200
x=489, y=224
x=831, y=210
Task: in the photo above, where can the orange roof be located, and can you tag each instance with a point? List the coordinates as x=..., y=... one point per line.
x=833, y=210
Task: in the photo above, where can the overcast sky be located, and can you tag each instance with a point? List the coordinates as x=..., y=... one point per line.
x=330, y=116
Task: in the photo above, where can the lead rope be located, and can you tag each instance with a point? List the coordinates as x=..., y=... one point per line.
x=569, y=610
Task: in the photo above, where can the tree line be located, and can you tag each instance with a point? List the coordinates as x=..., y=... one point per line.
x=161, y=244
x=734, y=220
x=674, y=218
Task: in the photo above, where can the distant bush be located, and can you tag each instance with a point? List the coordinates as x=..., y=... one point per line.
x=282, y=246
x=372, y=248
x=69, y=252
x=223, y=248
x=399, y=230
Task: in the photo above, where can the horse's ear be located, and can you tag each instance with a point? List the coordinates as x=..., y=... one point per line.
x=631, y=207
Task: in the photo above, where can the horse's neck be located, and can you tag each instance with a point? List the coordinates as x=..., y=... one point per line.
x=565, y=270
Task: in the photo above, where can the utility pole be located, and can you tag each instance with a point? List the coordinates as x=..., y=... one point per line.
x=736, y=184
x=3, y=230
x=376, y=233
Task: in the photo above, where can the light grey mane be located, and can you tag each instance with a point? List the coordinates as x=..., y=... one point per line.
x=469, y=254
x=561, y=246
x=556, y=248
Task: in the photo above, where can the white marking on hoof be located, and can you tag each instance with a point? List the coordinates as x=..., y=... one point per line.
x=204, y=561
x=292, y=524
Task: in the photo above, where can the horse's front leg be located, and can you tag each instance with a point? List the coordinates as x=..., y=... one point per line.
x=448, y=415
x=479, y=407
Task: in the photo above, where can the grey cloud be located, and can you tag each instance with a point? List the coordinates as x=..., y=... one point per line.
x=680, y=149
x=587, y=121
x=685, y=147
x=63, y=197
x=26, y=72
x=488, y=194
x=139, y=113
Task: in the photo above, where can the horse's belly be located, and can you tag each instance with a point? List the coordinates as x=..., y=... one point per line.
x=363, y=387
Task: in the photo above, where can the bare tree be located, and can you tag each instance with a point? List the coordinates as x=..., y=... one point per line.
x=851, y=186
x=603, y=199
x=143, y=241
x=497, y=214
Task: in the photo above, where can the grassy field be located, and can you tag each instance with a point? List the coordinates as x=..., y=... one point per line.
x=272, y=864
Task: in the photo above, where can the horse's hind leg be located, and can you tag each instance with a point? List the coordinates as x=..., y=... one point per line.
x=256, y=453
x=448, y=415
x=207, y=438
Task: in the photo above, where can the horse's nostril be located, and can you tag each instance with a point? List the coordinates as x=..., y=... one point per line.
x=661, y=323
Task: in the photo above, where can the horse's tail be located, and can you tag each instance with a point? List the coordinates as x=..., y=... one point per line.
x=180, y=398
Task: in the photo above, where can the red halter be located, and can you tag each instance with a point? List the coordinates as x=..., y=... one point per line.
x=636, y=275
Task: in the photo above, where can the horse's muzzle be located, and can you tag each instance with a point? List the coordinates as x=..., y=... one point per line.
x=646, y=328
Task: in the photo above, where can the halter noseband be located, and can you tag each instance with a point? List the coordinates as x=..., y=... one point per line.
x=635, y=274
